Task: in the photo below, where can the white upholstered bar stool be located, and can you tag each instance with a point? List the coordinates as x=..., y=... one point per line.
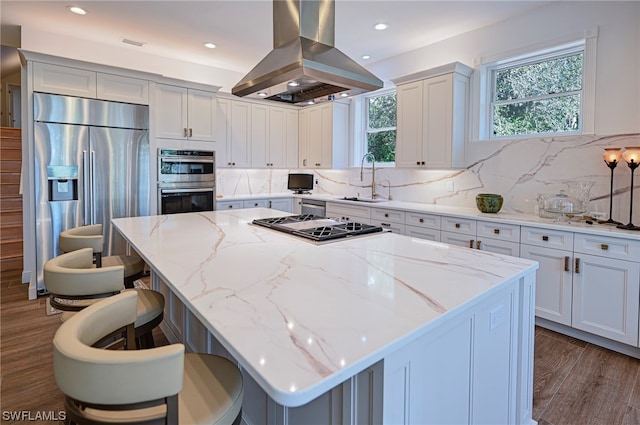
x=161, y=385
x=73, y=284
x=91, y=237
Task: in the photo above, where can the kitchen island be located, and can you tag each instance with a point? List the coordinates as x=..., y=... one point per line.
x=380, y=328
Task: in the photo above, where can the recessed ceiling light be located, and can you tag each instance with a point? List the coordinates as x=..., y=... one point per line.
x=381, y=26
x=262, y=94
x=311, y=102
x=209, y=45
x=77, y=10
x=365, y=57
x=345, y=94
x=294, y=83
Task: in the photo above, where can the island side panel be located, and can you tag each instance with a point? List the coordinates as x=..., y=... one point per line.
x=465, y=371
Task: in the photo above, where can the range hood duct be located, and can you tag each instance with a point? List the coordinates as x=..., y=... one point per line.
x=304, y=52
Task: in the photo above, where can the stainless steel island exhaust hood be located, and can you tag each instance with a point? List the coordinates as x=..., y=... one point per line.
x=304, y=64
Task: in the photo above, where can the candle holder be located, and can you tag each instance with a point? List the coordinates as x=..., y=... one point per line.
x=611, y=157
x=632, y=156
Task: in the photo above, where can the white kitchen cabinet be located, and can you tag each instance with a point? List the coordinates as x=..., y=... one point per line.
x=185, y=113
x=432, y=117
x=122, y=89
x=71, y=81
x=348, y=213
x=554, y=282
x=606, y=290
x=423, y=226
x=239, y=135
x=56, y=79
x=390, y=219
x=281, y=204
x=324, y=135
x=255, y=203
x=483, y=235
x=228, y=205
x=274, y=137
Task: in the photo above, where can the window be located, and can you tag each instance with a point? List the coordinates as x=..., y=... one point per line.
x=381, y=127
x=538, y=94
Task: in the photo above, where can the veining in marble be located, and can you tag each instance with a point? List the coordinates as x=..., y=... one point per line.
x=517, y=169
x=301, y=317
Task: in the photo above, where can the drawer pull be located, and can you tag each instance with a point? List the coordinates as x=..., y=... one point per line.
x=386, y=215
x=496, y=231
x=385, y=224
x=471, y=243
x=185, y=133
x=566, y=264
x=545, y=238
x=421, y=220
x=604, y=246
x=457, y=225
x=577, y=268
x=478, y=244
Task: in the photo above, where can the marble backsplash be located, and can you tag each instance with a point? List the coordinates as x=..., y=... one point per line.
x=518, y=170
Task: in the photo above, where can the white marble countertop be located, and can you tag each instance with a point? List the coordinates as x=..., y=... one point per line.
x=300, y=317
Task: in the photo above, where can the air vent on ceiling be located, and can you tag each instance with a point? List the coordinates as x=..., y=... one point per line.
x=133, y=42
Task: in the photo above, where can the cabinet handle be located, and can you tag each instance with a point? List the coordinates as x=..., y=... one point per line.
x=191, y=132
x=417, y=162
x=496, y=231
x=566, y=264
x=230, y=206
x=545, y=238
x=385, y=224
x=386, y=215
x=422, y=163
x=421, y=220
x=471, y=243
x=457, y=225
x=604, y=246
x=478, y=244
x=577, y=268
x=233, y=163
x=185, y=132
x=269, y=204
x=317, y=164
x=304, y=162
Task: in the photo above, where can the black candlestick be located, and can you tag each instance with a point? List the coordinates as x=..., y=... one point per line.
x=611, y=165
x=633, y=165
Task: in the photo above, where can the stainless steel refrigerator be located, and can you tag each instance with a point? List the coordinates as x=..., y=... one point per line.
x=91, y=165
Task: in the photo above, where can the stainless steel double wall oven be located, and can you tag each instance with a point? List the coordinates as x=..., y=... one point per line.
x=186, y=181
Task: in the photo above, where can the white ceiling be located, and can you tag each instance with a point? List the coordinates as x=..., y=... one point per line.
x=242, y=29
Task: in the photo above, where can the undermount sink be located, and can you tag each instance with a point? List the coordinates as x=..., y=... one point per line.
x=356, y=199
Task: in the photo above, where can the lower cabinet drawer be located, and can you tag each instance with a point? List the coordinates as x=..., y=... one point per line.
x=499, y=231
x=423, y=233
x=422, y=220
x=227, y=205
x=255, y=203
x=540, y=236
x=605, y=246
x=458, y=225
x=387, y=225
x=387, y=216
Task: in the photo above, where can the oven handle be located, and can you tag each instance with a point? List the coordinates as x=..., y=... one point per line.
x=186, y=159
x=185, y=190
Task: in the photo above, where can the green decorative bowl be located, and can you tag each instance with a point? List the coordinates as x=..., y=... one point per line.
x=489, y=202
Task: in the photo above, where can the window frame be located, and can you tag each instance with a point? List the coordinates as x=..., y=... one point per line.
x=363, y=145
x=483, y=83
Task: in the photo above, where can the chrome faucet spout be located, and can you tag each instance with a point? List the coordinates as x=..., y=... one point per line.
x=373, y=173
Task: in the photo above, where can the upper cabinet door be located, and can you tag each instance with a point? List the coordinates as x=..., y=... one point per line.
x=260, y=157
x=122, y=89
x=201, y=115
x=437, y=109
x=278, y=137
x=183, y=113
x=56, y=79
x=171, y=112
x=409, y=126
x=239, y=139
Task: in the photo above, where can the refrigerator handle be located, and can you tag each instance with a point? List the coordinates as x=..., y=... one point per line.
x=93, y=187
x=86, y=191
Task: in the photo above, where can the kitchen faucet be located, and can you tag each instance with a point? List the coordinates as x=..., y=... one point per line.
x=373, y=173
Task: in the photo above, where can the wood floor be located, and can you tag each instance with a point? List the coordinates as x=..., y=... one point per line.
x=575, y=382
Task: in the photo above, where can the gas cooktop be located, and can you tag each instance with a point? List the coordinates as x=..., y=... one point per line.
x=316, y=228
